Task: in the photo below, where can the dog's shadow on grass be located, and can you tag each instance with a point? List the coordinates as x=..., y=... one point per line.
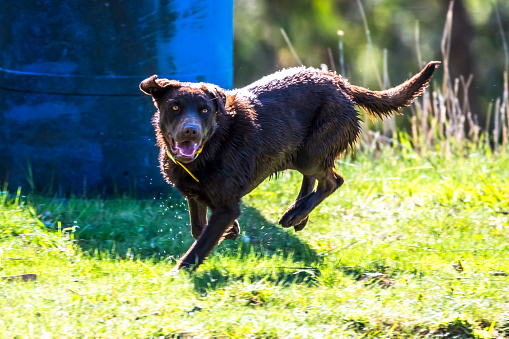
x=261, y=239
x=160, y=231
x=264, y=237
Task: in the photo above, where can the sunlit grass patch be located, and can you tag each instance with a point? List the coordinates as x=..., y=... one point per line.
x=406, y=247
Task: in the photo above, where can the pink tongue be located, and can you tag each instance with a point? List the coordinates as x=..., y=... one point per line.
x=186, y=148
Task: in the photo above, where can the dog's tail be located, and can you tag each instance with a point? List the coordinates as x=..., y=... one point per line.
x=383, y=103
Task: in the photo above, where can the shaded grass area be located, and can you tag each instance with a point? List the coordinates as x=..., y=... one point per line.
x=158, y=229
x=410, y=246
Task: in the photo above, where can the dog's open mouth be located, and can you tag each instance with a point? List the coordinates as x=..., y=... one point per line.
x=185, y=151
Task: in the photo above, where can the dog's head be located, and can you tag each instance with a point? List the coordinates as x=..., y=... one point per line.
x=187, y=113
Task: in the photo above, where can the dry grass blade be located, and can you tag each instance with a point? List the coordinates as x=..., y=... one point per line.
x=290, y=46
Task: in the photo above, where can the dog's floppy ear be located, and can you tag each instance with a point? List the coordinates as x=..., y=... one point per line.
x=219, y=96
x=154, y=86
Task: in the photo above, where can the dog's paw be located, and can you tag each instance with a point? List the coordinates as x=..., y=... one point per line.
x=302, y=224
x=231, y=233
x=293, y=218
x=174, y=271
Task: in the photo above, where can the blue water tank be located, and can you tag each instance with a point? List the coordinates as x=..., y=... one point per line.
x=72, y=117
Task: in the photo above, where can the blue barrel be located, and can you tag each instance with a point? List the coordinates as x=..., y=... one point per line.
x=72, y=117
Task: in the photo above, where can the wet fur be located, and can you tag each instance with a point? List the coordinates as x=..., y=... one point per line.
x=300, y=118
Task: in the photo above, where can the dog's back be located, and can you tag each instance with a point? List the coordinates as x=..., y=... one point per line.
x=307, y=116
x=302, y=113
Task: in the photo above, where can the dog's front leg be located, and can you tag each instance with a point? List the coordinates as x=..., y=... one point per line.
x=198, y=216
x=220, y=219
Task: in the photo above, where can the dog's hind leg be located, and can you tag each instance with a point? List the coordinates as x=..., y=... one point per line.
x=307, y=186
x=198, y=216
x=298, y=212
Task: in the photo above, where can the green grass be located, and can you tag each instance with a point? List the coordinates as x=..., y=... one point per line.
x=437, y=229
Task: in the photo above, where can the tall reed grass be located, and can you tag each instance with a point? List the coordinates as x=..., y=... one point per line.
x=442, y=120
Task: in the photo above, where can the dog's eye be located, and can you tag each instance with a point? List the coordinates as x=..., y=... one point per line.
x=205, y=110
x=175, y=107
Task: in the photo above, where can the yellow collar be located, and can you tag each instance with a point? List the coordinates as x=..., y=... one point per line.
x=184, y=167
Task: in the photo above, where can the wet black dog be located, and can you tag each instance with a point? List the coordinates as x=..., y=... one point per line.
x=217, y=145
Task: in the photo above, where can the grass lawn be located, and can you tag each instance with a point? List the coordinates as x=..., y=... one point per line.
x=408, y=247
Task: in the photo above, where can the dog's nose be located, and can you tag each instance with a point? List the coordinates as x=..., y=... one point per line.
x=190, y=130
